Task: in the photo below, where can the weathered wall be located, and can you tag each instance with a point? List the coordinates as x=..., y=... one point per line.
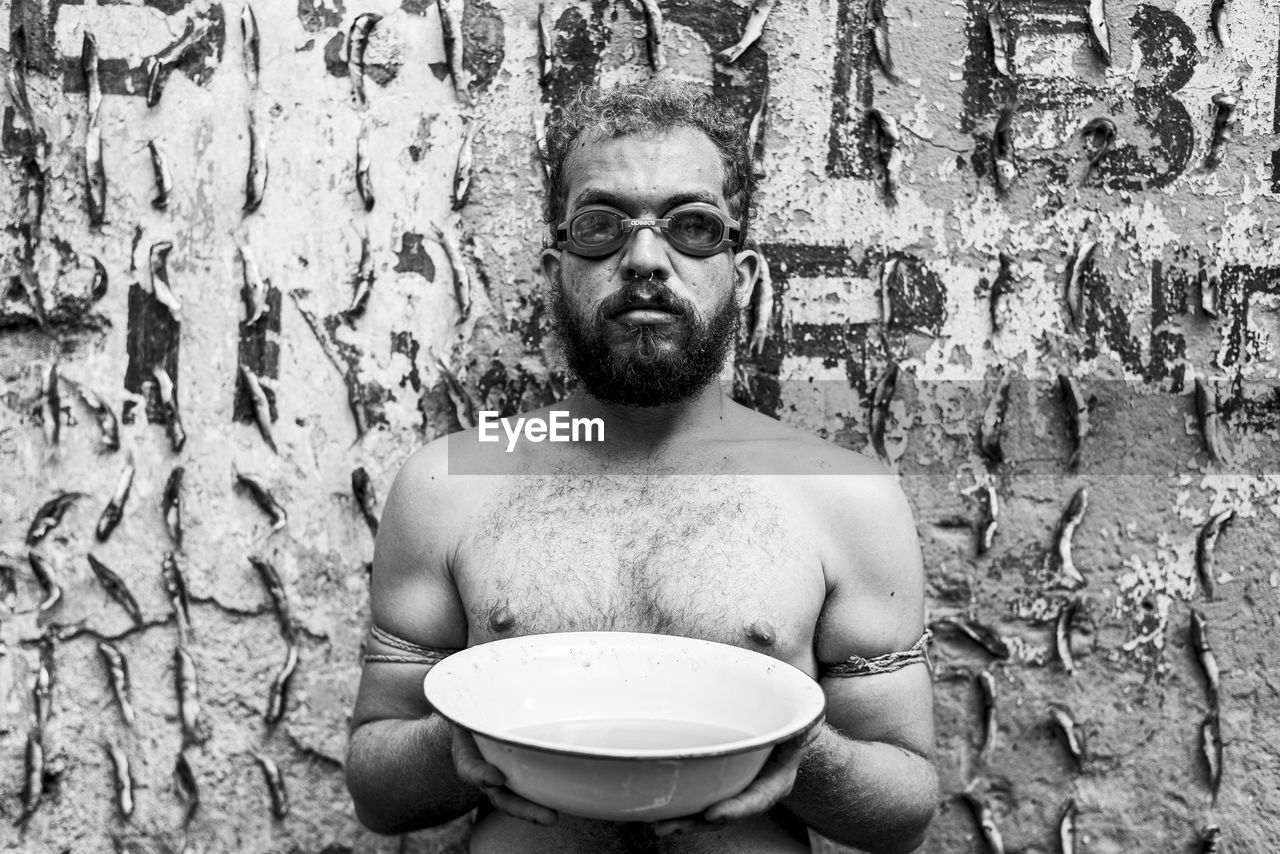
x=860, y=284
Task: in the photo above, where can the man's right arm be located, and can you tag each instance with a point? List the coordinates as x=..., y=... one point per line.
x=400, y=768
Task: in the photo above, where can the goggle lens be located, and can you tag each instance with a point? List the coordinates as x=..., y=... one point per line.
x=695, y=228
x=595, y=228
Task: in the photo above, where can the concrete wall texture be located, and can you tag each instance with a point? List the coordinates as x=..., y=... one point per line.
x=968, y=194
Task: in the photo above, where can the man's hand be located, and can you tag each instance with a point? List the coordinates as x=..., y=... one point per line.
x=472, y=769
x=772, y=784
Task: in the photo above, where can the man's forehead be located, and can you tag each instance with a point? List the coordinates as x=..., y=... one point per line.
x=680, y=161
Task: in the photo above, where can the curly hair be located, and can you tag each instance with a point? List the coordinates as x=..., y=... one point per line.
x=651, y=106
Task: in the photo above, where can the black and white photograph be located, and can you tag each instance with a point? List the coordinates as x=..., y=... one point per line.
x=639, y=426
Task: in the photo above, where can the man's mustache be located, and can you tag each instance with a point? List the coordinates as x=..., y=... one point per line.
x=643, y=294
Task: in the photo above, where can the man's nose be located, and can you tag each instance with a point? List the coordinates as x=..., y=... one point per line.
x=645, y=253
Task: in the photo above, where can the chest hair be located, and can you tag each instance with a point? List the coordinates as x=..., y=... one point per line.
x=698, y=556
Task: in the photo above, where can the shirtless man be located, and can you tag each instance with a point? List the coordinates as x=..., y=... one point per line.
x=695, y=517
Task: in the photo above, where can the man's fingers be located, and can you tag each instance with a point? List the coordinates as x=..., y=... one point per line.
x=514, y=805
x=773, y=783
x=753, y=800
x=471, y=768
x=790, y=752
x=470, y=765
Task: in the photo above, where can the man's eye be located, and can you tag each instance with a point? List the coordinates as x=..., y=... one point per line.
x=595, y=227
x=696, y=228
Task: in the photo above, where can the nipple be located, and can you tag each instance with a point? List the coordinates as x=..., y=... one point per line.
x=501, y=620
x=762, y=633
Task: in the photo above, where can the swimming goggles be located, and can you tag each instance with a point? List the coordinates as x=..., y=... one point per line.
x=697, y=229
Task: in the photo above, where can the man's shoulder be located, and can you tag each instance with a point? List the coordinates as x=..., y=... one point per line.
x=427, y=469
x=439, y=480
x=432, y=504
x=849, y=491
x=449, y=461
x=861, y=517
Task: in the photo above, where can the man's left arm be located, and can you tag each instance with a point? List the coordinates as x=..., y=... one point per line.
x=865, y=777
x=868, y=779
x=876, y=792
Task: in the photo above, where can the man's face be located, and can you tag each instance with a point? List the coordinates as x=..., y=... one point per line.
x=646, y=325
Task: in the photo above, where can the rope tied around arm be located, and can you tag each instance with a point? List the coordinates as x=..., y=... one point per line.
x=413, y=653
x=887, y=663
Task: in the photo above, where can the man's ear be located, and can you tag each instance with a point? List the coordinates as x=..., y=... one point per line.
x=746, y=265
x=550, y=263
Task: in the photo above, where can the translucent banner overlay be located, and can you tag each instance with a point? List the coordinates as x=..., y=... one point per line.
x=911, y=426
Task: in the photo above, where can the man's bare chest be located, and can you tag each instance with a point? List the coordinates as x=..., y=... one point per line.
x=716, y=558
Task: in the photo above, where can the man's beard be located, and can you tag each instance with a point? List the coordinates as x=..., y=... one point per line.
x=649, y=364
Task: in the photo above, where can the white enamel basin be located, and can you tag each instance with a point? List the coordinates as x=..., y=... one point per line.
x=623, y=726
